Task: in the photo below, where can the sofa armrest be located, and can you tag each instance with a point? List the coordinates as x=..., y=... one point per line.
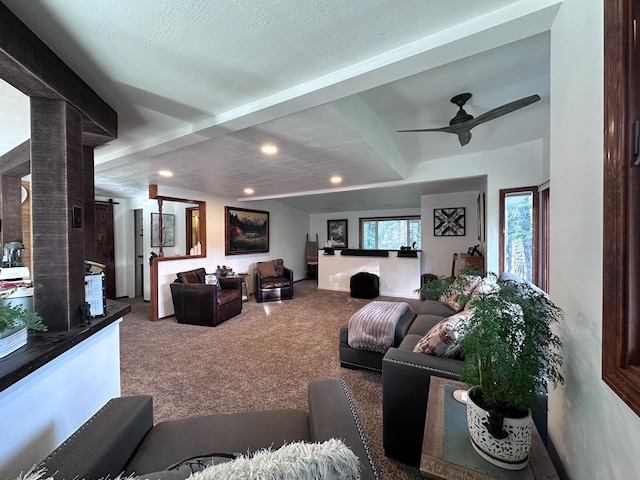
x=332, y=414
x=230, y=283
x=103, y=445
x=405, y=389
x=288, y=274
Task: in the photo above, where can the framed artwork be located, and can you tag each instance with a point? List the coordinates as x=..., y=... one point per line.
x=480, y=214
x=337, y=233
x=448, y=222
x=245, y=231
x=168, y=230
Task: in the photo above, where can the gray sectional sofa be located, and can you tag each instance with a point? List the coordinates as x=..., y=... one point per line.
x=121, y=437
x=405, y=380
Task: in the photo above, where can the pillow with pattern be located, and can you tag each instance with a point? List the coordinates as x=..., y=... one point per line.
x=443, y=338
x=458, y=293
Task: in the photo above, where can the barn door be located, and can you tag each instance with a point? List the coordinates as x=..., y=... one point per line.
x=104, y=246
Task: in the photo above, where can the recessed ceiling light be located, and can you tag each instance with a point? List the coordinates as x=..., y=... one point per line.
x=269, y=149
x=165, y=173
x=336, y=179
x=248, y=191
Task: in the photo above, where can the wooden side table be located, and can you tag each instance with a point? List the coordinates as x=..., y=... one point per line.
x=437, y=464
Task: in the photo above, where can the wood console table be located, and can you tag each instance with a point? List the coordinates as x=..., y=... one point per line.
x=438, y=463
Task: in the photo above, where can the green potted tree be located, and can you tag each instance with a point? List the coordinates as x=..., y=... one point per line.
x=512, y=355
x=15, y=320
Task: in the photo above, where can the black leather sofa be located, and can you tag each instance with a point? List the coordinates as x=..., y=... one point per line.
x=121, y=437
x=197, y=303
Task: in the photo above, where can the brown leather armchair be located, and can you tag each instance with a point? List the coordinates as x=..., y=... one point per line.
x=272, y=281
x=198, y=303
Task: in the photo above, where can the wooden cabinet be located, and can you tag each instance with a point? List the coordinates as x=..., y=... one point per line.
x=466, y=260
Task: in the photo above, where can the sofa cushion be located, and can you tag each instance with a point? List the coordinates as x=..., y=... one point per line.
x=266, y=269
x=173, y=441
x=425, y=322
x=227, y=296
x=191, y=276
x=274, y=282
x=443, y=339
x=434, y=307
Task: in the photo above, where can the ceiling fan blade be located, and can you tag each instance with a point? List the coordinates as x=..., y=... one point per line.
x=461, y=130
x=501, y=110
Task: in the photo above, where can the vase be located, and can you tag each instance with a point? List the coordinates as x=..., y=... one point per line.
x=510, y=452
x=11, y=340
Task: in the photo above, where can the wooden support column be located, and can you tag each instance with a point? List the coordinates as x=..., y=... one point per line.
x=89, y=204
x=57, y=202
x=13, y=166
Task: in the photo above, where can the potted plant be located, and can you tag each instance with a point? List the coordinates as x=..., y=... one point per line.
x=512, y=355
x=15, y=320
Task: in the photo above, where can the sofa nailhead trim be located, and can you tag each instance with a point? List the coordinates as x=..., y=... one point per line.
x=363, y=436
x=437, y=370
x=366, y=367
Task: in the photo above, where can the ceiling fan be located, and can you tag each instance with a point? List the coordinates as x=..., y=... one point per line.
x=463, y=122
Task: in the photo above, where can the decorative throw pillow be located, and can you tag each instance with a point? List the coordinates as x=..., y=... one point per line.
x=279, y=266
x=266, y=269
x=458, y=293
x=487, y=285
x=330, y=460
x=443, y=338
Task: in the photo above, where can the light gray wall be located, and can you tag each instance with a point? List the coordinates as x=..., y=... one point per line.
x=596, y=434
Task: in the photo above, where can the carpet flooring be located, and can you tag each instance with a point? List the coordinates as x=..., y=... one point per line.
x=261, y=359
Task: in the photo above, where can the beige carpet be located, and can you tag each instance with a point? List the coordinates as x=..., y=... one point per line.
x=260, y=359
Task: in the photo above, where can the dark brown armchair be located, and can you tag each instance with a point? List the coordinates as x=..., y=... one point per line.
x=198, y=303
x=272, y=281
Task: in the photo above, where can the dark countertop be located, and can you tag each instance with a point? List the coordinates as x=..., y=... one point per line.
x=42, y=347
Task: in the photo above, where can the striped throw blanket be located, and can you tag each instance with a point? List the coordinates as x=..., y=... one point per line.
x=373, y=327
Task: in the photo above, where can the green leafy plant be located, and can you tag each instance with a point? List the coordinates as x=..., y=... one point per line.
x=12, y=316
x=433, y=289
x=509, y=345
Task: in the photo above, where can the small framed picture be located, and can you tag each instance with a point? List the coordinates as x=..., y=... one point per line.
x=337, y=233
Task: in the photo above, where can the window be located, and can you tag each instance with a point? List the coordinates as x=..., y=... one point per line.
x=621, y=207
x=390, y=233
x=545, y=243
x=519, y=237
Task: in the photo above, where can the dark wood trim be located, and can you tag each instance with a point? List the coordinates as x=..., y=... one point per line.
x=620, y=319
x=545, y=238
x=34, y=69
x=534, y=229
x=153, y=285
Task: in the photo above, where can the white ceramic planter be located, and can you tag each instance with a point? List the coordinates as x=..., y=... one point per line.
x=11, y=340
x=511, y=452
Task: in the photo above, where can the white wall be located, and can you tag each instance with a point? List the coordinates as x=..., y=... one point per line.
x=594, y=432
x=40, y=411
x=438, y=251
x=287, y=238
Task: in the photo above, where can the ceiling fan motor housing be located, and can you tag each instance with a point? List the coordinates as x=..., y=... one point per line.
x=461, y=116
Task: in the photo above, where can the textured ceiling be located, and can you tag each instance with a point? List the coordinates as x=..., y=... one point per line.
x=199, y=85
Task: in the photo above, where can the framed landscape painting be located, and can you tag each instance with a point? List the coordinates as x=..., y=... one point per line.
x=245, y=231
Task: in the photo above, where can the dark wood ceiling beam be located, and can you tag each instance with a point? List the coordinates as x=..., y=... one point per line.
x=16, y=162
x=34, y=69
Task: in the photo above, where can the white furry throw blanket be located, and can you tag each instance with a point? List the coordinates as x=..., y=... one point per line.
x=373, y=327
x=297, y=461
x=329, y=460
